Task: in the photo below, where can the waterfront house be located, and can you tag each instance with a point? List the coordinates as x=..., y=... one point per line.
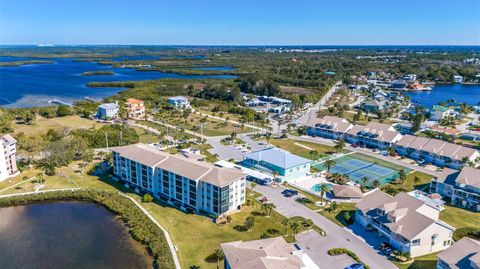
x=183, y=182
x=437, y=112
x=8, y=162
x=438, y=152
x=462, y=187
x=410, y=77
x=464, y=254
x=457, y=78
x=408, y=224
x=179, y=101
x=275, y=160
x=328, y=127
x=375, y=135
x=398, y=85
x=108, y=111
x=135, y=108
x=270, y=253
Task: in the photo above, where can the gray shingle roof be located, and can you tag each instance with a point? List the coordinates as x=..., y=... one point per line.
x=277, y=157
x=462, y=254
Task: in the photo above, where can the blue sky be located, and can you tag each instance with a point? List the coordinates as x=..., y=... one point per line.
x=241, y=22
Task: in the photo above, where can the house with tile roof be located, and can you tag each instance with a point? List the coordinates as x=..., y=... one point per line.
x=464, y=254
x=461, y=187
x=180, y=181
x=135, y=108
x=270, y=253
x=328, y=127
x=281, y=162
x=408, y=224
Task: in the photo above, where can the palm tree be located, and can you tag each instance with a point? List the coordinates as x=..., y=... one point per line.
x=285, y=223
x=194, y=267
x=268, y=207
x=339, y=145
x=323, y=188
x=364, y=181
x=416, y=181
x=252, y=185
x=376, y=183
x=295, y=226
x=333, y=206
x=219, y=255
x=313, y=154
x=329, y=164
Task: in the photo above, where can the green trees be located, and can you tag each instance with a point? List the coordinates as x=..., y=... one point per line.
x=402, y=176
x=323, y=189
x=147, y=198
x=329, y=164
x=117, y=135
x=285, y=223
x=64, y=111
x=6, y=124
x=252, y=185
x=249, y=223
x=376, y=183
x=313, y=154
x=219, y=255
x=295, y=227
x=339, y=145
x=268, y=207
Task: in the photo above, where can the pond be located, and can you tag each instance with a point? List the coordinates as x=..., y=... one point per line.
x=469, y=94
x=67, y=235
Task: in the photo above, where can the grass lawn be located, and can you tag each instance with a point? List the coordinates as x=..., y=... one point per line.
x=43, y=124
x=339, y=216
x=308, y=201
x=424, y=262
x=409, y=184
x=146, y=136
x=463, y=220
x=289, y=145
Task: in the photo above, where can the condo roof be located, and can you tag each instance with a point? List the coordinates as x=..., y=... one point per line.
x=8, y=138
x=108, y=106
x=277, y=157
x=469, y=176
x=385, y=132
x=188, y=168
x=462, y=254
x=347, y=191
x=271, y=253
x=134, y=101
x=401, y=215
x=338, y=124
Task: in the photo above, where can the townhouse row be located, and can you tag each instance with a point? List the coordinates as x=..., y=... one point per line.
x=384, y=136
x=180, y=181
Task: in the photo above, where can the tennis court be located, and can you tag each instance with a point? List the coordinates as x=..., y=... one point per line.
x=357, y=169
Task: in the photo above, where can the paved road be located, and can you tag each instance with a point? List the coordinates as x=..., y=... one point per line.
x=368, y=152
x=336, y=236
x=230, y=151
x=312, y=111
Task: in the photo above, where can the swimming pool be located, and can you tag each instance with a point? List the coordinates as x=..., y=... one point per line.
x=316, y=187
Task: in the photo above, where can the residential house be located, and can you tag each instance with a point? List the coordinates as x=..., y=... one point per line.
x=345, y=194
x=398, y=84
x=135, y=108
x=179, y=101
x=328, y=127
x=8, y=162
x=371, y=106
x=464, y=254
x=180, y=181
x=108, y=111
x=270, y=253
x=410, y=77
x=406, y=223
x=437, y=112
x=457, y=78
x=438, y=152
x=275, y=160
x=375, y=135
x=462, y=187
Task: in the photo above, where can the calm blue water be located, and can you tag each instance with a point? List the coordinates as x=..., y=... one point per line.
x=469, y=94
x=34, y=85
x=15, y=59
x=215, y=68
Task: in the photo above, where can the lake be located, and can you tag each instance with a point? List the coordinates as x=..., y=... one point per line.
x=34, y=85
x=469, y=94
x=67, y=235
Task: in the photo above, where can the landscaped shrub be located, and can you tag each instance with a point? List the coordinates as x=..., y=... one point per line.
x=339, y=251
x=139, y=225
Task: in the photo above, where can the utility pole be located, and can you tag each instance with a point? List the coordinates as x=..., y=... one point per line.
x=121, y=138
x=106, y=140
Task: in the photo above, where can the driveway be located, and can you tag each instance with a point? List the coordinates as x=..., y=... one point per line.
x=336, y=236
x=230, y=151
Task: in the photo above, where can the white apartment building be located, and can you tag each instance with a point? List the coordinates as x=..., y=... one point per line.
x=8, y=163
x=180, y=181
x=461, y=187
x=407, y=223
x=179, y=101
x=108, y=111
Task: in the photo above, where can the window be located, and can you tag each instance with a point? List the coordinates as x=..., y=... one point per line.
x=415, y=242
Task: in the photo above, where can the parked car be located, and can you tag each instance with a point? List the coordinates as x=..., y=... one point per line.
x=355, y=266
x=354, y=145
x=288, y=194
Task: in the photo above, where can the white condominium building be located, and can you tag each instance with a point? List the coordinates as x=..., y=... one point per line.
x=408, y=224
x=183, y=182
x=8, y=163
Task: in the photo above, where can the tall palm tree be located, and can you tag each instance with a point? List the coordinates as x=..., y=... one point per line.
x=364, y=181
x=323, y=188
x=329, y=164
x=252, y=185
x=313, y=154
x=295, y=226
x=285, y=223
x=219, y=255
x=339, y=145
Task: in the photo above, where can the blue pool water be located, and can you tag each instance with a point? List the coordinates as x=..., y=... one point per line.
x=469, y=94
x=34, y=85
x=316, y=187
